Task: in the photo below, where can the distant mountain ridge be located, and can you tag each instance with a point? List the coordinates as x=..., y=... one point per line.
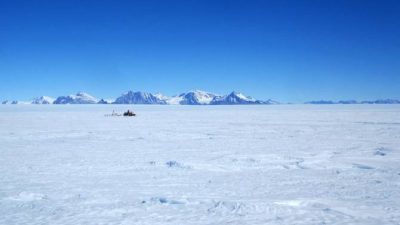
x=379, y=101
x=196, y=97
x=43, y=100
x=79, y=98
x=235, y=98
x=138, y=98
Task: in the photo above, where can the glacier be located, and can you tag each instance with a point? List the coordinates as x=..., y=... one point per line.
x=182, y=164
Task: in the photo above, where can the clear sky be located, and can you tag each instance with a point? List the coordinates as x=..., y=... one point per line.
x=285, y=50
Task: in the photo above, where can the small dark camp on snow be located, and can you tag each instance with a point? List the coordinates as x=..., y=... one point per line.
x=129, y=113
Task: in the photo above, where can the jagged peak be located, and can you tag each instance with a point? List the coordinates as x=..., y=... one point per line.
x=138, y=97
x=193, y=97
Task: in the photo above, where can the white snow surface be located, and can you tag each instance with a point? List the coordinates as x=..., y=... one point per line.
x=254, y=164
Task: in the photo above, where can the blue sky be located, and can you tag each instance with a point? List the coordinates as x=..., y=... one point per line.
x=285, y=50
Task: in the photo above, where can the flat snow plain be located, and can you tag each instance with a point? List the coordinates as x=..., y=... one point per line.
x=285, y=164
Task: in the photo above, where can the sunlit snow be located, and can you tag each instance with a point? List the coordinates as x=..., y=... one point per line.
x=268, y=164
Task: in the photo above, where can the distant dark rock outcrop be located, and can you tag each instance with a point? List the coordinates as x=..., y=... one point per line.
x=102, y=101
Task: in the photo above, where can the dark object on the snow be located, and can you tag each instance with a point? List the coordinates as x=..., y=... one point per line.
x=129, y=113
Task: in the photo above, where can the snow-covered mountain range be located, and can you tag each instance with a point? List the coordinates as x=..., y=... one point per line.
x=79, y=98
x=196, y=97
x=379, y=101
x=43, y=100
x=138, y=98
x=189, y=98
x=235, y=98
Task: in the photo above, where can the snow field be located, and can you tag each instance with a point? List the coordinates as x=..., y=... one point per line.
x=281, y=164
